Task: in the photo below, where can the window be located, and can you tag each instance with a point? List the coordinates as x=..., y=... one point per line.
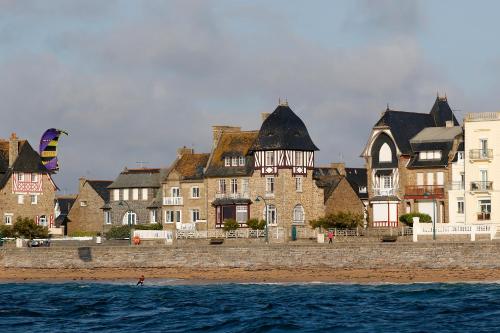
x=234, y=161
x=176, y=192
x=386, y=181
x=241, y=214
x=430, y=178
x=42, y=221
x=430, y=155
x=484, y=209
x=195, y=192
x=7, y=218
x=298, y=214
x=299, y=158
x=20, y=177
x=152, y=216
x=144, y=194
x=269, y=185
x=484, y=147
x=83, y=203
x=116, y=195
x=244, y=186
x=34, y=177
x=125, y=194
x=227, y=161
x=169, y=216
x=440, y=178
x=362, y=189
x=460, y=155
x=269, y=158
x=178, y=216
x=460, y=205
x=222, y=186
x=420, y=179
x=135, y=194
x=385, y=153
x=130, y=218
x=34, y=199
x=298, y=184
x=195, y=215
x=234, y=186
x=20, y=199
x=241, y=161
x=271, y=215
x=107, y=217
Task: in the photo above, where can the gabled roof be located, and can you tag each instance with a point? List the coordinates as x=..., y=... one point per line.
x=237, y=144
x=328, y=179
x=101, y=188
x=65, y=203
x=283, y=130
x=138, y=178
x=28, y=160
x=191, y=166
x=357, y=178
x=441, y=112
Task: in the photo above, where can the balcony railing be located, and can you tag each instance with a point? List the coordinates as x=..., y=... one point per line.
x=173, y=201
x=457, y=186
x=384, y=191
x=481, y=154
x=424, y=191
x=483, y=216
x=220, y=195
x=481, y=186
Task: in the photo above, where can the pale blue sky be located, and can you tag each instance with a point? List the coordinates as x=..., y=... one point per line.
x=134, y=80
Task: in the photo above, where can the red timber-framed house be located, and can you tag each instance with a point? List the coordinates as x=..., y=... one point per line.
x=26, y=186
x=407, y=157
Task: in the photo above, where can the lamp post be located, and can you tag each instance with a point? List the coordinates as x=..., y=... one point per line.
x=121, y=203
x=257, y=199
x=428, y=194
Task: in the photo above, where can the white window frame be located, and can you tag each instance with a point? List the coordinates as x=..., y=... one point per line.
x=153, y=216
x=362, y=189
x=125, y=194
x=234, y=161
x=270, y=185
x=298, y=214
x=385, y=153
x=83, y=203
x=116, y=194
x=195, y=192
x=175, y=192
x=7, y=218
x=222, y=185
x=34, y=199
x=271, y=212
x=195, y=214
x=135, y=194
x=20, y=176
x=178, y=216
x=234, y=185
x=227, y=161
x=429, y=177
x=460, y=206
x=241, y=161
x=42, y=220
x=107, y=217
x=299, y=158
x=386, y=181
x=482, y=202
x=440, y=178
x=144, y=194
x=169, y=216
x=20, y=199
x=241, y=209
x=34, y=177
x=245, y=186
x=298, y=183
x=460, y=155
x=269, y=156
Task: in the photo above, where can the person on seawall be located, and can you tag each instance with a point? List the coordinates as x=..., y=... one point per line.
x=141, y=281
x=330, y=237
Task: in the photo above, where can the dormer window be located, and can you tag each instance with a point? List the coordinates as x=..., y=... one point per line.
x=235, y=161
x=362, y=189
x=430, y=155
x=227, y=161
x=241, y=161
x=385, y=153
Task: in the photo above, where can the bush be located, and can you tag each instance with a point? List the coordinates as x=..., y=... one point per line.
x=83, y=233
x=340, y=220
x=230, y=224
x=6, y=231
x=408, y=218
x=255, y=224
x=118, y=232
x=151, y=226
x=27, y=228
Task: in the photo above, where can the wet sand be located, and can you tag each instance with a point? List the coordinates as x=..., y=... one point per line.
x=402, y=275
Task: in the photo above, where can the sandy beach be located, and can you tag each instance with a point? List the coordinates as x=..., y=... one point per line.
x=243, y=275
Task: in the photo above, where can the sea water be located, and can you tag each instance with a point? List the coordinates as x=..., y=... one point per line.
x=169, y=306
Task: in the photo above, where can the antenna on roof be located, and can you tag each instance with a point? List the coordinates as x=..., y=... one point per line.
x=387, y=109
x=141, y=163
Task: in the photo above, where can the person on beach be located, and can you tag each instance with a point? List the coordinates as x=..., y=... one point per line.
x=141, y=281
x=330, y=237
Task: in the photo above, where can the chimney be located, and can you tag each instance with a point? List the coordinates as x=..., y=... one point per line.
x=218, y=129
x=340, y=167
x=13, y=148
x=449, y=123
x=81, y=182
x=264, y=115
x=184, y=150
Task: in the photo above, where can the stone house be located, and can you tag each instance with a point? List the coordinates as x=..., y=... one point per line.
x=86, y=213
x=26, y=186
x=135, y=197
x=62, y=207
x=407, y=158
x=184, y=195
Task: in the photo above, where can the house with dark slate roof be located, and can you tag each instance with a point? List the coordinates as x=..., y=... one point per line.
x=26, y=186
x=407, y=160
x=63, y=205
x=86, y=214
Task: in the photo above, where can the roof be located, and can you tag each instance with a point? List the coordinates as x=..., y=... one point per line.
x=191, y=166
x=328, y=179
x=283, y=130
x=444, y=147
x=441, y=112
x=28, y=160
x=357, y=178
x=101, y=188
x=235, y=143
x=437, y=134
x=65, y=203
x=138, y=178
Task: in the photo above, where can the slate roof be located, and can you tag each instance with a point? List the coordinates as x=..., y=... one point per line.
x=236, y=143
x=328, y=179
x=101, y=188
x=441, y=112
x=191, y=166
x=65, y=203
x=357, y=177
x=283, y=130
x=139, y=178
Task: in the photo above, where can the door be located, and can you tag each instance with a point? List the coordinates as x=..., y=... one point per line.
x=427, y=207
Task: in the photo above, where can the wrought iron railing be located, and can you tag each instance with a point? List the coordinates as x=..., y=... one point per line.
x=481, y=186
x=480, y=154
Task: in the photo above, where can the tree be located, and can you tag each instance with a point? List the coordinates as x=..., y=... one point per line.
x=408, y=218
x=27, y=228
x=230, y=224
x=255, y=224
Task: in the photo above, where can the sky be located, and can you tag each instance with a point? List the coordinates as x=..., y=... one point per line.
x=132, y=81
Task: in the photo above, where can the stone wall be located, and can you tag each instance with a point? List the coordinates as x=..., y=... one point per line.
x=344, y=199
x=86, y=213
x=338, y=256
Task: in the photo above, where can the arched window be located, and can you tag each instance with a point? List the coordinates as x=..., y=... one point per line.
x=298, y=214
x=272, y=217
x=130, y=218
x=385, y=153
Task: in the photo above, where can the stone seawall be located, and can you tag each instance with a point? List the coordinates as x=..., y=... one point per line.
x=364, y=256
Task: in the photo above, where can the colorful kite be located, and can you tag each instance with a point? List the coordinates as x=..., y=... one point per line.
x=48, y=148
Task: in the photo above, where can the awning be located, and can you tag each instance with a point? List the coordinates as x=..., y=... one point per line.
x=227, y=202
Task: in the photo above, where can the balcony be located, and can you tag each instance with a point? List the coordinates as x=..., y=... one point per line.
x=481, y=154
x=457, y=186
x=173, y=201
x=481, y=186
x=424, y=192
x=384, y=191
x=484, y=216
x=220, y=195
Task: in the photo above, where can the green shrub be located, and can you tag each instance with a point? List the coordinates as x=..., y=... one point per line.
x=408, y=218
x=118, y=232
x=230, y=224
x=151, y=226
x=340, y=220
x=79, y=233
x=6, y=231
x=255, y=224
x=27, y=228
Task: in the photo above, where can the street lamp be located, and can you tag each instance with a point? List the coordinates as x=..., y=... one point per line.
x=427, y=194
x=129, y=223
x=257, y=199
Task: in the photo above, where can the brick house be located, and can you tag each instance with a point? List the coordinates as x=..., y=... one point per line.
x=407, y=160
x=135, y=197
x=26, y=186
x=86, y=213
x=184, y=196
